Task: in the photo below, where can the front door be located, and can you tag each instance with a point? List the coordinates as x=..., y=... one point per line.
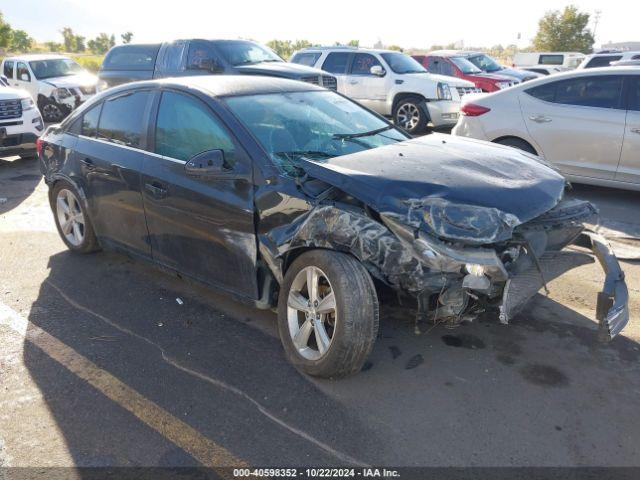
x=363, y=86
x=202, y=226
x=110, y=150
x=578, y=123
x=629, y=168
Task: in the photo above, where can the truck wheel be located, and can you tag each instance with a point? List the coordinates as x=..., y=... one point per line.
x=72, y=220
x=51, y=111
x=409, y=114
x=327, y=314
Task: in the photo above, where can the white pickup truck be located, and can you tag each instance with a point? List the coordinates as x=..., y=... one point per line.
x=56, y=83
x=392, y=84
x=20, y=122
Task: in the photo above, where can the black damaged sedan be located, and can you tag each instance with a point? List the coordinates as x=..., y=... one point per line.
x=285, y=194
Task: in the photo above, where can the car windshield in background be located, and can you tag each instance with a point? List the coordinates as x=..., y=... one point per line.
x=246, y=53
x=58, y=67
x=485, y=63
x=316, y=125
x=465, y=65
x=401, y=63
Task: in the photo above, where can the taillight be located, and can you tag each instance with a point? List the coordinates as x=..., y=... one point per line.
x=39, y=143
x=473, y=110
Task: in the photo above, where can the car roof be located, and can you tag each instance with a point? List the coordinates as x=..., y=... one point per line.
x=30, y=57
x=227, y=85
x=614, y=52
x=453, y=53
x=346, y=48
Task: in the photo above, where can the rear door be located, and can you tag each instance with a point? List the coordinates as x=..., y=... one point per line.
x=364, y=87
x=110, y=150
x=201, y=226
x=578, y=123
x=25, y=79
x=629, y=168
x=337, y=63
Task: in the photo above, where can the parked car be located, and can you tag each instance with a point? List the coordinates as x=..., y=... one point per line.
x=284, y=193
x=56, y=83
x=626, y=63
x=392, y=84
x=20, y=123
x=545, y=70
x=460, y=67
x=605, y=58
x=585, y=122
x=128, y=63
x=566, y=60
x=487, y=64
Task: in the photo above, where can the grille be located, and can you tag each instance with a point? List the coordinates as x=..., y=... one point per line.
x=88, y=90
x=329, y=82
x=10, y=109
x=311, y=79
x=464, y=90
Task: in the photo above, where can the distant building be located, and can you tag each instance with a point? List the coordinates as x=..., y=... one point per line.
x=621, y=46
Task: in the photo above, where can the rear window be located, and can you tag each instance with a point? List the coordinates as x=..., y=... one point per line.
x=131, y=57
x=602, y=61
x=551, y=59
x=308, y=59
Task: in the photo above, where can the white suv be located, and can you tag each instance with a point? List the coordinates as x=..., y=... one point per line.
x=392, y=84
x=56, y=83
x=20, y=123
x=606, y=57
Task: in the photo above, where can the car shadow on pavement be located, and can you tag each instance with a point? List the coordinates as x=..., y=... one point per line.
x=542, y=391
x=18, y=179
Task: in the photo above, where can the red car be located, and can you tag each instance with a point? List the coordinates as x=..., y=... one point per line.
x=458, y=66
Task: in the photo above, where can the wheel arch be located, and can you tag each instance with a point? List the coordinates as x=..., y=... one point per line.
x=535, y=149
x=402, y=95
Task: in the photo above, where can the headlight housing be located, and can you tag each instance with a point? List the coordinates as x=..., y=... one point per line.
x=101, y=86
x=61, y=93
x=444, y=92
x=468, y=223
x=503, y=85
x=27, y=103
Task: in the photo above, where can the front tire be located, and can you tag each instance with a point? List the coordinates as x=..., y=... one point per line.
x=51, y=111
x=410, y=114
x=327, y=314
x=72, y=219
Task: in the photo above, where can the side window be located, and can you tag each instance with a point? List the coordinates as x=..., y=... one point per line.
x=447, y=69
x=186, y=127
x=90, y=121
x=202, y=56
x=634, y=93
x=23, y=70
x=7, y=71
x=546, y=92
x=434, y=65
x=170, y=60
x=602, y=92
x=362, y=63
x=122, y=119
x=551, y=59
x=308, y=59
x=336, y=62
x=602, y=61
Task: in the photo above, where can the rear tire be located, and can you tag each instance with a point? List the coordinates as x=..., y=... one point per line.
x=72, y=219
x=517, y=143
x=410, y=114
x=344, y=313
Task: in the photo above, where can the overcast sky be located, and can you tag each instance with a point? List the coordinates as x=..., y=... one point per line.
x=409, y=23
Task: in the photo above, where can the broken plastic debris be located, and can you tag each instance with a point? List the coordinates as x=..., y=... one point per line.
x=179, y=301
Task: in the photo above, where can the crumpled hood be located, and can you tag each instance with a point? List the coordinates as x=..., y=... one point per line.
x=391, y=179
x=280, y=69
x=72, y=81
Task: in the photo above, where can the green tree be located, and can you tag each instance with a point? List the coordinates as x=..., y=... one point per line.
x=54, y=46
x=22, y=42
x=283, y=48
x=564, y=31
x=79, y=43
x=102, y=43
x=126, y=37
x=6, y=34
x=354, y=43
x=68, y=39
x=397, y=48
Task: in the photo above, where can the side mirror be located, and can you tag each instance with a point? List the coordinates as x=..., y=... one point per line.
x=211, y=162
x=377, y=70
x=25, y=77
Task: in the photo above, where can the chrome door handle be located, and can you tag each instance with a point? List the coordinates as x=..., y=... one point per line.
x=539, y=119
x=353, y=82
x=636, y=130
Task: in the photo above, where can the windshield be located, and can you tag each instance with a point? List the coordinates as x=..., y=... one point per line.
x=317, y=125
x=246, y=53
x=57, y=67
x=401, y=63
x=485, y=63
x=465, y=65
